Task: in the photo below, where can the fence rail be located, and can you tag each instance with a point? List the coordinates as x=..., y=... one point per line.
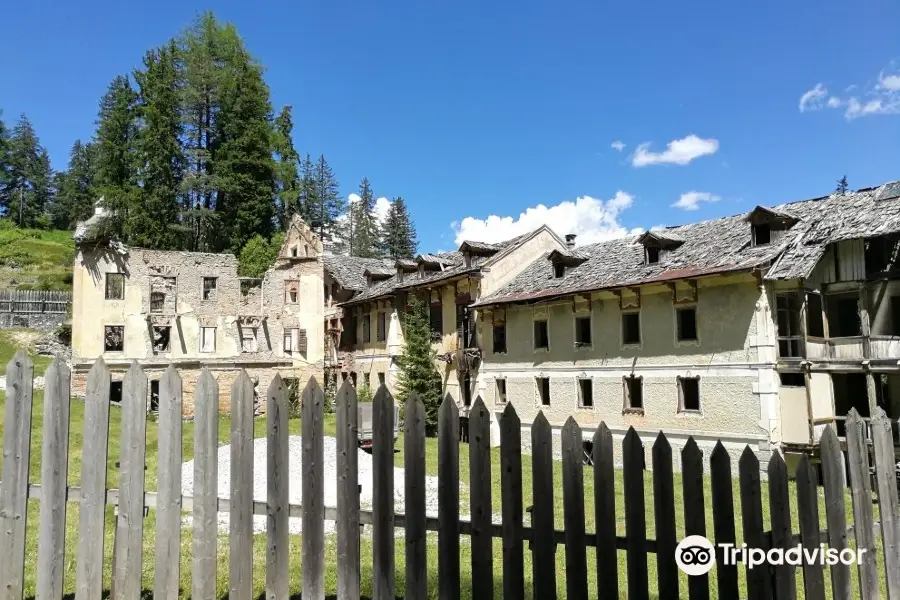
x=34, y=301
x=542, y=535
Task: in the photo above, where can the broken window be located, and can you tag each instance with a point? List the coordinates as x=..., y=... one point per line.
x=161, y=336
x=631, y=328
x=157, y=302
x=115, y=286
x=583, y=331
x=543, y=390
x=842, y=311
x=209, y=288
x=687, y=324
x=787, y=307
x=367, y=329
x=380, y=329
x=248, y=339
x=762, y=234
x=815, y=324
x=115, y=391
x=881, y=254
x=154, y=395
x=633, y=388
x=291, y=291
x=689, y=394
x=585, y=393
x=541, y=335
x=113, y=338
x=436, y=320
x=499, y=338
x=500, y=395
x=792, y=379
x=652, y=255
x=559, y=270
x=290, y=340
x=207, y=339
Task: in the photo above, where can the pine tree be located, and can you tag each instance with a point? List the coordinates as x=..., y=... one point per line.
x=5, y=166
x=116, y=176
x=363, y=223
x=308, y=197
x=287, y=179
x=75, y=187
x=398, y=234
x=328, y=202
x=842, y=186
x=417, y=371
x=29, y=192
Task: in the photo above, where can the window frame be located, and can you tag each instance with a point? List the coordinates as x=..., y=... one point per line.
x=539, y=391
x=105, y=334
x=628, y=395
x=579, y=383
x=498, y=393
x=655, y=250
x=288, y=291
x=679, y=340
x=502, y=327
x=793, y=339
x=161, y=303
x=681, y=395
x=381, y=327
x=754, y=230
x=590, y=330
x=534, y=329
x=106, y=282
x=367, y=328
x=203, y=289
x=201, y=337
x=628, y=313
x=254, y=336
x=168, y=347
x=559, y=270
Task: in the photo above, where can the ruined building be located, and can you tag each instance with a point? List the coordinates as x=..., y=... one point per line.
x=191, y=309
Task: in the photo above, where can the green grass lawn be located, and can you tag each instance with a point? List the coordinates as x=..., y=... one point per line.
x=75, y=458
x=35, y=258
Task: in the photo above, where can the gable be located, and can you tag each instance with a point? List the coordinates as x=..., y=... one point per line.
x=300, y=242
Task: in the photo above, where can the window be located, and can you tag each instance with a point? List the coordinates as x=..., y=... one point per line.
x=436, y=319
x=583, y=331
x=157, y=302
x=634, y=393
x=585, y=393
x=207, y=339
x=154, y=396
x=291, y=291
x=815, y=325
x=631, y=328
x=787, y=307
x=543, y=390
x=559, y=270
x=381, y=378
x=541, y=337
x=499, y=338
x=294, y=251
x=115, y=286
x=115, y=391
x=652, y=254
x=500, y=391
x=687, y=324
x=209, y=288
x=762, y=234
x=290, y=340
x=792, y=379
x=248, y=339
x=113, y=338
x=689, y=394
x=843, y=315
x=380, y=328
x=161, y=338
x=367, y=329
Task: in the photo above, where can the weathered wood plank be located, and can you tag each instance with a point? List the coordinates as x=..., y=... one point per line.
x=723, y=519
x=664, y=514
x=759, y=585
x=414, y=487
x=480, y=500
x=861, y=496
x=512, y=507
x=240, y=557
x=130, y=522
x=605, y=515
x=383, y=584
x=835, y=512
x=347, y=523
x=808, y=516
x=54, y=471
x=168, y=511
x=544, y=547
x=573, y=510
x=694, y=509
x=91, y=513
x=313, y=492
x=886, y=479
x=780, y=511
x=635, y=515
x=206, y=490
x=277, y=500
x=14, y=487
x=448, y=500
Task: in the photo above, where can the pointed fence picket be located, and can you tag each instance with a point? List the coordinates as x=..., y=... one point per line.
x=879, y=539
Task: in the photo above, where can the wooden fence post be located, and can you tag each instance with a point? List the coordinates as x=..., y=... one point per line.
x=694, y=509
x=240, y=557
x=833, y=474
x=383, y=583
x=414, y=486
x=512, y=508
x=313, y=493
x=277, y=500
x=481, y=508
x=635, y=516
x=206, y=487
x=605, y=515
x=573, y=510
x=780, y=511
x=542, y=516
x=886, y=478
x=664, y=514
x=723, y=518
x=759, y=584
x=808, y=515
x=348, y=493
x=168, y=505
x=861, y=496
x=448, y=500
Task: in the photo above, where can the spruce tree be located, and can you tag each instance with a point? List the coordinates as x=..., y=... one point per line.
x=116, y=175
x=5, y=166
x=75, y=187
x=363, y=223
x=398, y=234
x=29, y=192
x=287, y=179
x=308, y=202
x=417, y=371
x=329, y=205
x=842, y=186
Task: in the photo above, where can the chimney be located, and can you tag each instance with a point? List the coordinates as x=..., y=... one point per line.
x=570, y=241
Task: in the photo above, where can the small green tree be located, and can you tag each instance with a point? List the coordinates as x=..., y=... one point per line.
x=259, y=254
x=417, y=371
x=842, y=186
x=364, y=393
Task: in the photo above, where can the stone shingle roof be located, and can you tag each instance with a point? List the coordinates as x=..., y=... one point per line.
x=713, y=247
x=349, y=271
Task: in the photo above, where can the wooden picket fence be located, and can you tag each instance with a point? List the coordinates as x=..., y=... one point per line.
x=169, y=503
x=34, y=301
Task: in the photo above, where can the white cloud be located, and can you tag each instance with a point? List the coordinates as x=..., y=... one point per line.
x=813, y=99
x=692, y=200
x=834, y=102
x=889, y=82
x=880, y=98
x=677, y=152
x=618, y=146
x=382, y=205
x=591, y=219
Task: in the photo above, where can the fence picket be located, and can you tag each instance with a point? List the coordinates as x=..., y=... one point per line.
x=635, y=515
x=664, y=514
x=414, y=487
x=130, y=522
x=313, y=492
x=694, y=509
x=240, y=557
x=780, y=511
x=512, y=509
x=382, y=495
x=206, y=490
x=861, y=496
x=542, y=526
x=54, y=471
x=808, y=516
x=347, y=524
x=448, y=500
x=605, y=515
x=835, y=512
x=277, y=500
x=759, y=585
x=886, y=478
x=723, y=518
x=481, y=508
x=573, y=510
x=14, y=487
x=168, y=507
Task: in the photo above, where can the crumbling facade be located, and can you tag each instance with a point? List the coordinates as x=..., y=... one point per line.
x=191, y=309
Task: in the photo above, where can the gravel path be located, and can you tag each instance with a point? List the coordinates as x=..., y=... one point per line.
x=294, y=487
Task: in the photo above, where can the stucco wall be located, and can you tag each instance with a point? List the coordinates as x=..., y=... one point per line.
x=508, y=267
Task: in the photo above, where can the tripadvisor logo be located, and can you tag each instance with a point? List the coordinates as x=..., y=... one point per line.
x=695, y=555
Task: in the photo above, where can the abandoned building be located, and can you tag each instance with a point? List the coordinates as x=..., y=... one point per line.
x=759, y=329
x=191, y=310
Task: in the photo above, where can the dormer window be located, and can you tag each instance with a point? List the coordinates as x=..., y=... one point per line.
x=559, y=270
x=652, y=255
x=762, y=234
x=768, y=225
x=657, y=244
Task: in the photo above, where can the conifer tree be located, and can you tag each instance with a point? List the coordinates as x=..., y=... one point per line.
x=116, y=176
x=308, y=196
x=5, y=166
x=364, y=223
x=75, y=187
x=287, y=178
x=329, y=205
x=417, y=371
x=842, y=186
x=398, y=234
x=30, y=186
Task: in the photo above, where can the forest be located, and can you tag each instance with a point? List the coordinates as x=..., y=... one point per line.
x=189, y=154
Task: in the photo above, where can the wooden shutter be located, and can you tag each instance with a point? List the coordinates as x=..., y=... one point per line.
x=301, y=340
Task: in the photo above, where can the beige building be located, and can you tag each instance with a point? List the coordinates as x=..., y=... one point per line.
x=191, y=310
x=758, y=329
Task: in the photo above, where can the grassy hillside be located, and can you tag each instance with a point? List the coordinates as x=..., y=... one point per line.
x=34, y=259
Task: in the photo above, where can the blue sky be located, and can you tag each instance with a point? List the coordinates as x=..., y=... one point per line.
x=472, y=109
